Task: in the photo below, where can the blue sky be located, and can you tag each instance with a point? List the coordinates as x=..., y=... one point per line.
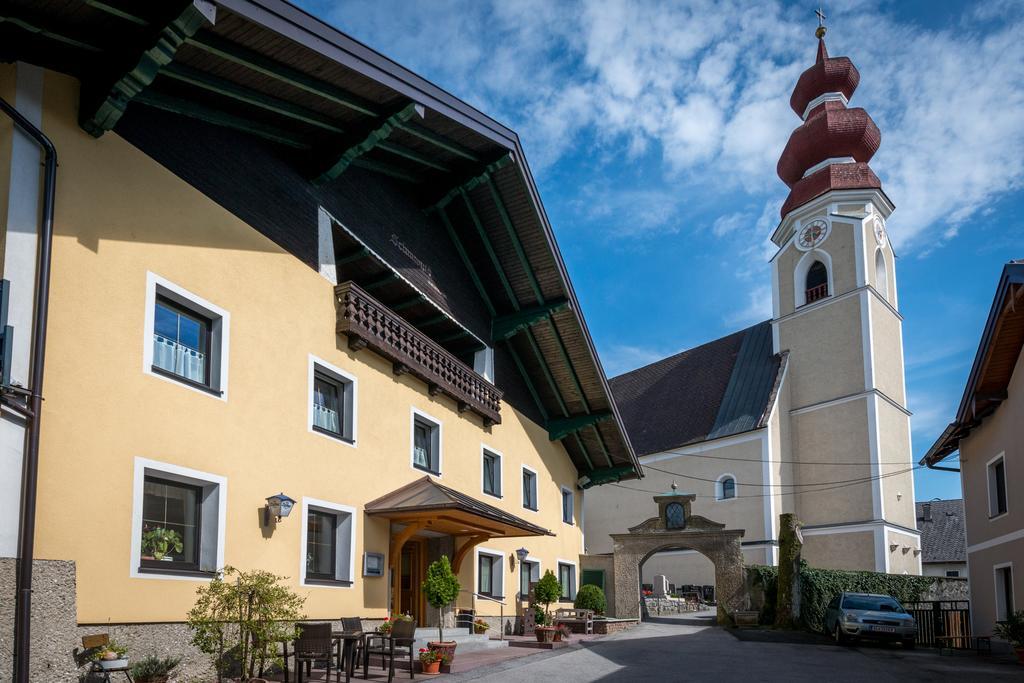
x=653, y=130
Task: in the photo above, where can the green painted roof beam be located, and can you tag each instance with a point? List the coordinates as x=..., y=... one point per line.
x=219, y=118
x=606, y=475
x=372, y=139
x=386, y=169
x=385, y=279
x=99, y=117
x=114, y=11
x=357, y=255
x=474, y=181
x=438, y=141
x=513, y=299
x=458, y=334
x=49, y=34
x=243, y=56
x=560, y=428
x=507, y=326
x=220, y=86
x=406, y=153
x=481, y=290
x=408, y=303
x=433, y=320
x=513, y=236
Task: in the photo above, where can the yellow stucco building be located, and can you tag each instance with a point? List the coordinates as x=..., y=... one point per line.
x=284, y=264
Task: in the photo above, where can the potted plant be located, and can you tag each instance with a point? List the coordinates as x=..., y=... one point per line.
x=440, y=588
x=389, y=622
x=547, y=591
x=240, y=619
x=431, y=661
x=1012, y=630
x=110, y=656
x=480, y=626
x=158, y=542
x=563, y=632
x=154, y=669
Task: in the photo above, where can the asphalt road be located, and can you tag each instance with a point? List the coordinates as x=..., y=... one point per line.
x=690, y=648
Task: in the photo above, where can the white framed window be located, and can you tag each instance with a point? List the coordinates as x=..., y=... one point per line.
x=490, y=465
x=529, y=572
x=490, y=574
x=332, y=401
x=425, y=437
x=529, y=488
x=568, y=505
x=1002, y=575
x=996, y=475
x=567, y=578
x=328, y=544
x=185, y=338
x=725, y=487
x=178, y=522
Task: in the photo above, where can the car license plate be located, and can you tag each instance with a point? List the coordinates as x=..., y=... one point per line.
x=884, y=629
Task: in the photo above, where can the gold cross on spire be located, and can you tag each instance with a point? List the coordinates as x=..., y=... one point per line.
x=820, y=31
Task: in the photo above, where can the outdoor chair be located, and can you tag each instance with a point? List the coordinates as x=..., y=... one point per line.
x=312, y=645
x=356, y=652
x=401, y=639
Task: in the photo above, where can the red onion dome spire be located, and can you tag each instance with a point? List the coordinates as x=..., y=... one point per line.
x=831, y=150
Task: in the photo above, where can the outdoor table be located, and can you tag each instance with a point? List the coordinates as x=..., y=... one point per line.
x=345, y=641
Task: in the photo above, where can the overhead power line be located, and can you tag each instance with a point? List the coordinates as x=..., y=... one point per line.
x=817, y=483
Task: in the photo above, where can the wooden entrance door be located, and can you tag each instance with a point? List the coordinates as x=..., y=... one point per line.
x=410, y=578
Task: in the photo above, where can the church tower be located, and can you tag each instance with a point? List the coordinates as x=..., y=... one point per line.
x=836, y=313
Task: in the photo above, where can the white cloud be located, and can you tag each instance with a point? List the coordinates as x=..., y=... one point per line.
x=729, y=223
x=620, y=358
x=707, y=85
x=758, y=308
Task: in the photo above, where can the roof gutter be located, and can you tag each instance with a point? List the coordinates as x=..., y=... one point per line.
x=33, y=400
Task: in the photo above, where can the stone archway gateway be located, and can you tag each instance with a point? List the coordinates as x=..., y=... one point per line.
x=675, y=527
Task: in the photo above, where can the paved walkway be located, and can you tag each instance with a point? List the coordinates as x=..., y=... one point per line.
x=689, y=647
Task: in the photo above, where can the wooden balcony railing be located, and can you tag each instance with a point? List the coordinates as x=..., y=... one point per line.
x=369, y=323
x=819, y=292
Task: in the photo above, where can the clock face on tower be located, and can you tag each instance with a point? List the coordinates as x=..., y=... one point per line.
x=812, y=234
x=879, y=229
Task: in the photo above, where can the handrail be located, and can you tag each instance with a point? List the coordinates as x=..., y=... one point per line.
x=501, y=610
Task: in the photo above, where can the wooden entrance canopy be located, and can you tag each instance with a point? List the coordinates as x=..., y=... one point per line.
x=425, y=505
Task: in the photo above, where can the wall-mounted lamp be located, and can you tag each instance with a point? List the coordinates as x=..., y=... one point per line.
x=522, y=554
x=278, y=506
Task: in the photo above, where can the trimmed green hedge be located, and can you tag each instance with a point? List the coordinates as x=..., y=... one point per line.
x=819, y=586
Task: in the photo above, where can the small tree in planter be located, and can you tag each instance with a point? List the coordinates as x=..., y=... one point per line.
x=245, y=616
x=440, y=588
x=547, y=591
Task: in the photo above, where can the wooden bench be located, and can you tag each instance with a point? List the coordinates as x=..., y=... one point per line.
x=583, y=617
x=980, y=644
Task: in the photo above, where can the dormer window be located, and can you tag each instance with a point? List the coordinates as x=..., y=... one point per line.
x=817, y=282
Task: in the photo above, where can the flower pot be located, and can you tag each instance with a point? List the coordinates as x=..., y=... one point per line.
x=545, y=634
x=107, y=664
x=446, y=648
x=558, y=637
x=432, y=668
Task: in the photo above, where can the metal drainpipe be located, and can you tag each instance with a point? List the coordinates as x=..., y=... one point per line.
x=30, y=466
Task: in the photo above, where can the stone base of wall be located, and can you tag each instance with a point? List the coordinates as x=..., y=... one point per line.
x=606, y=626
x=53, y=636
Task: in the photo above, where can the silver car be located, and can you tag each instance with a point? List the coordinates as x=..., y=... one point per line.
x=865, y=615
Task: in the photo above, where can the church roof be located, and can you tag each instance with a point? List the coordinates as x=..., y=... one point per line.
x=941, y=523
x=718, y=389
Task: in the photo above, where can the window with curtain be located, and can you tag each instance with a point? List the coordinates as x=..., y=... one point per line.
x=529, y=573
x=321, y=545
x=529, y=490
x=181, y=342
x=488, y=575
x=567, y=506
x=171, y=524
x=492, y=473
x=425, y=446
x=567, y=577
x=327, y=404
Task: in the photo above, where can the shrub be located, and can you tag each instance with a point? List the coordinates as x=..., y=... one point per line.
x=819, y=586
x=440, y=588
x=154, y=669
x=547, y=591
x=768, y=579
x=591, y=597
x=247, y=616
